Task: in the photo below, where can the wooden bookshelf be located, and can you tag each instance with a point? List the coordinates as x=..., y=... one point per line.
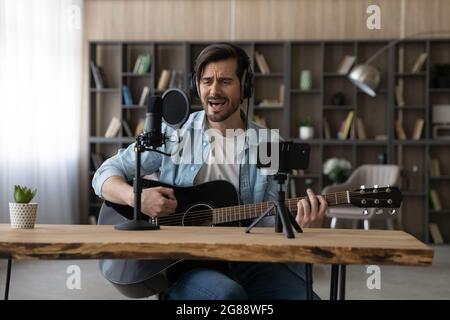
x=286, y=60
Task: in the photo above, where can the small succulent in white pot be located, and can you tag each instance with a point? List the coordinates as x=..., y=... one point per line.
x=23, y=212
x=306, y=129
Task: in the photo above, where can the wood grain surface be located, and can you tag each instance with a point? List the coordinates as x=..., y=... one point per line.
x=331, y=246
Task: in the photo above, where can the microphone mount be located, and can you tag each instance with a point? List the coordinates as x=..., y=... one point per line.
x=150, y=140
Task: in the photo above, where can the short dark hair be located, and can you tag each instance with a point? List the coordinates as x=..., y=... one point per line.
x=222, y=51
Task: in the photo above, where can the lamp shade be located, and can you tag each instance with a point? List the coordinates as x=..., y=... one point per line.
x=366, y=78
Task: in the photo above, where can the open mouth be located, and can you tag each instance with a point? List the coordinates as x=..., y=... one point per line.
x=217, y=104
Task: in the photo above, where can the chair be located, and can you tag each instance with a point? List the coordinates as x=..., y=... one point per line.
x=367, y=175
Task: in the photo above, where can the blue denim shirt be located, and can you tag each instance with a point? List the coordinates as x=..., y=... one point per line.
x=255, y=185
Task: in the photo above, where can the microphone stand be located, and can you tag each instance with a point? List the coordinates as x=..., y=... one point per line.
x=138, y=223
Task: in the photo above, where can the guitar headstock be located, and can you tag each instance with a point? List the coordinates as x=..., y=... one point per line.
x=377, y=197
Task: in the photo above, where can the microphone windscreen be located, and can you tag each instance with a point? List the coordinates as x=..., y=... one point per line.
x=175, y=107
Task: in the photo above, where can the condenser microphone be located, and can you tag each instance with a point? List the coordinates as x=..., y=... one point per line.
x=153, y=119
x=172, y=108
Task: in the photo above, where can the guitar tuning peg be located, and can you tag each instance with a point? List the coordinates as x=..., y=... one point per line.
x=365, y=212
x=388, y=189
x=363, y=187
x=392, y=211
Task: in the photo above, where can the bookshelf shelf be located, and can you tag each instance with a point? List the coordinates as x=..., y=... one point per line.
x=307, y=176
x=440, y=178
x=132, y=107
x=312, y=91
x=269, y=75
x=136, y=75
x=410, y=74
x=105, y=90
x=286, y=61
x=328, y=107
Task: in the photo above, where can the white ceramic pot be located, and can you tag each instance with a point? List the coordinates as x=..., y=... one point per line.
x=306, y=133
x=23, y=215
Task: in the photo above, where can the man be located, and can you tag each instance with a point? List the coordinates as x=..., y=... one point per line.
x=222, y=81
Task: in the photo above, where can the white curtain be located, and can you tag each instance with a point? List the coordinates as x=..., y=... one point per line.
x=40, y=98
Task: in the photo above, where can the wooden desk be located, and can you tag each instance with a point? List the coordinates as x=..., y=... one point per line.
x=337, y=247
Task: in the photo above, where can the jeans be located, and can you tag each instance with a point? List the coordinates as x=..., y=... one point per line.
x=254, y=281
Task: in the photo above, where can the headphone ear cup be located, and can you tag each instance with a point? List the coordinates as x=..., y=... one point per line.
x=248, y=84
x=194, y=89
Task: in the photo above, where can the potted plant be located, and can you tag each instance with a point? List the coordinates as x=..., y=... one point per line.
x=337, y=170
x=306, y=129
x=22, y=212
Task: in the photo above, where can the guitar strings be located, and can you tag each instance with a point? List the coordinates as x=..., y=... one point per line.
x=245, y=210
x=209, y=213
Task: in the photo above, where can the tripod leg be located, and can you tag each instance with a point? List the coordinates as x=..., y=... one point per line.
x=281, y=211
x=294, y=222
x=259, y=218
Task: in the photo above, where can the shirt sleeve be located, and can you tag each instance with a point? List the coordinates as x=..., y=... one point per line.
x=123, y=164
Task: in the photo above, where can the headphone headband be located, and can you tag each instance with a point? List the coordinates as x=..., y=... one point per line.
x=246, y=80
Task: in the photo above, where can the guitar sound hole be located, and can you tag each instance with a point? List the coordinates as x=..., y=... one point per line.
x=198, y=215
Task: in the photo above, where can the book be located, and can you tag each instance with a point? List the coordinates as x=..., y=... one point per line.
x=127, y=128
x=346, y=64
x=399, y=94
x=281, y=94
x=435, y=170
x=418, y=128
x=401, y=59
x=435, y=233
x=113, y=128
x=435, y=200
x=137, y=64
x=326, y=129
x=164, y=80
x=97, y=74
x=345, y=126
x=360, y=129
x=126, y=96
x=420, y=61
x=139, y=127
x=260, y=120
x=399, y=130
x=262, y=63
x=145, y=63
x=144, y=94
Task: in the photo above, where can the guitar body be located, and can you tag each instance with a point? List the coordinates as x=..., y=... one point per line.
x=142, y=278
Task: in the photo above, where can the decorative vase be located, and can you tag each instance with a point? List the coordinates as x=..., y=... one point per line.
x=306, y=133
x=23, y=215
x=305, y=80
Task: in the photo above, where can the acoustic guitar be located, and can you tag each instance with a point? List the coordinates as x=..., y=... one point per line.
x=209, y=204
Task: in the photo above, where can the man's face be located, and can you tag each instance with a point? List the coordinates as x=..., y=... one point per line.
x=220, y=89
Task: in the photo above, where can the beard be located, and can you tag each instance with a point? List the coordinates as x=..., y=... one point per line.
x=223, y=114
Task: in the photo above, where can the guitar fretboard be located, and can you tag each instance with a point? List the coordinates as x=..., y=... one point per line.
x=250, y=211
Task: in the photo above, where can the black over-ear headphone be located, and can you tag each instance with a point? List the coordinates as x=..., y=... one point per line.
x=247, y=75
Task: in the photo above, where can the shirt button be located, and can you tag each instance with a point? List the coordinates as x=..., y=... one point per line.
x=204, y=144
x=192, y=168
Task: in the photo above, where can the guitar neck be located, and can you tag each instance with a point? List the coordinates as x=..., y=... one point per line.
x=250, y=211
